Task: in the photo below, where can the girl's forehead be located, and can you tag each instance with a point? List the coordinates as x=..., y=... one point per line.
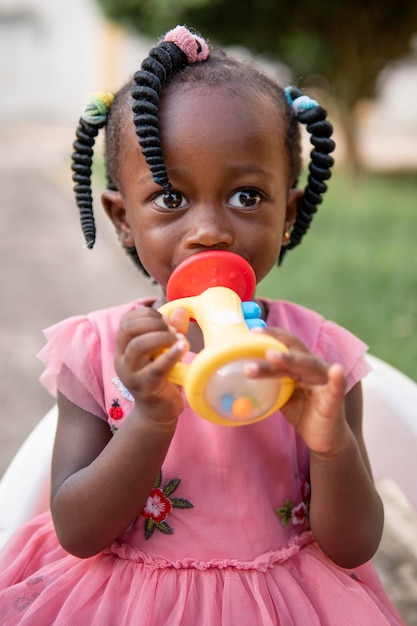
x=218, y=106
x=222, y=124
x=222, y=93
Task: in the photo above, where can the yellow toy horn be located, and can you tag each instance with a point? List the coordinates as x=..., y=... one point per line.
x=214, y=383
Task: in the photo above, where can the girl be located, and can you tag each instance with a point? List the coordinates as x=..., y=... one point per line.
x=158, y=516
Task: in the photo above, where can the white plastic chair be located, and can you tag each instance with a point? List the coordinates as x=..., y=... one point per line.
x=390, y=426
x=25, y=485
x=390, y=430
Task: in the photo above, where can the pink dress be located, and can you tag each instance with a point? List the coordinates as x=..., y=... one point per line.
x=224, y=537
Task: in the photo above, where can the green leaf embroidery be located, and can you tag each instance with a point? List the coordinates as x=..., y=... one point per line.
x=171, y=487
x=181, y=503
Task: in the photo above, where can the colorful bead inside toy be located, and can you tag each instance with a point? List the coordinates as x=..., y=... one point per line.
x=237, y=398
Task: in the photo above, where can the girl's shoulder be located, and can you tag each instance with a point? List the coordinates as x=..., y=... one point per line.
x=295, y=318
x=112, y=315
x=79, y=357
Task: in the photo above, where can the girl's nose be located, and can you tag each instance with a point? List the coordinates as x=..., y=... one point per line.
x=209, y=228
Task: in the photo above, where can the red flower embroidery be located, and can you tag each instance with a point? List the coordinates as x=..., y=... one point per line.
x=296, y=514
x=157, y=506
x=299, y=514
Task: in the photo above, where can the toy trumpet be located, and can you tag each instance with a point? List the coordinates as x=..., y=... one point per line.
x=211, y=286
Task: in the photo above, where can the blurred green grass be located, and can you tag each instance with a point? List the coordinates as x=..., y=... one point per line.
x=358, y=265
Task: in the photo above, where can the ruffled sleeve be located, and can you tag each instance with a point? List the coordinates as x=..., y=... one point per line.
x=337, y=345
x=73, y=364
x=79, y=360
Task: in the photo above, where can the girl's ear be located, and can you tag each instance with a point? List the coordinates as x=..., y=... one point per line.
x=114, y=206
x=294, y=198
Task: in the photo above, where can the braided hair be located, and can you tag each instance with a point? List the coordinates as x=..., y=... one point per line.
x=93, y=117
x=310, y=113
x=179, y=48
x=180, y=58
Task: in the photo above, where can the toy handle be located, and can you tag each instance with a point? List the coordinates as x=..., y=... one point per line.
x=245, y=318
x=218, y=311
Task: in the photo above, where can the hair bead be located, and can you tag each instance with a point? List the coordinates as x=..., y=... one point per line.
x=95, y=112
x=193, y=46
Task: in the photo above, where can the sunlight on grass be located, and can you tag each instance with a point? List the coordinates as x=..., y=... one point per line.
x=358, y=265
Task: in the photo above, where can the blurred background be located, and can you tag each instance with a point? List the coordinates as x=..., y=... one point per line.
x=357, y=266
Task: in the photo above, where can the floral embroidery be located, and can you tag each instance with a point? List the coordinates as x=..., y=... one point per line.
x=297, y=514
x=159, y=505
x=123, y=390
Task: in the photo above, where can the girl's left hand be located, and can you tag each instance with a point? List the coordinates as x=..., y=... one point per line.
x=316, y=408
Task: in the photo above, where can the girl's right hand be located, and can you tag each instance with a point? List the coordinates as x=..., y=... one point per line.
x=147, y=349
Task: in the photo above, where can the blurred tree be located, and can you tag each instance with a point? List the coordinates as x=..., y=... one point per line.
x=343, y=46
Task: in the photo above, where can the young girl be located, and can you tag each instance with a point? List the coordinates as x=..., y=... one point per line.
x=159, y=516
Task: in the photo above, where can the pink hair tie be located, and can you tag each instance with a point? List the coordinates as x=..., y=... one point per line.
x=194, y=47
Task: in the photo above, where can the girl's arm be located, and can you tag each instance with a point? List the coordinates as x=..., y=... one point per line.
x=346, y=513
x=100, y=483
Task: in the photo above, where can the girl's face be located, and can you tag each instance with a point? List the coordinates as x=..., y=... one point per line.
x=225, y=156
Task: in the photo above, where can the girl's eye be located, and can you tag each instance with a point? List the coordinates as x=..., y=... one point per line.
x=245, y=199
x=170, y=200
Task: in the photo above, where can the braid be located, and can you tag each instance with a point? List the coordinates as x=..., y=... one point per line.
x=310, y=113
x=179, y=48
x=93, y=118
x=156, y=69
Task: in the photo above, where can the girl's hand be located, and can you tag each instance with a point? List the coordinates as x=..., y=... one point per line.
x=316, y=408
x=148, y=346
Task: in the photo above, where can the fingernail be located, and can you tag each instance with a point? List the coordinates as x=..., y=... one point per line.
x=182, y=343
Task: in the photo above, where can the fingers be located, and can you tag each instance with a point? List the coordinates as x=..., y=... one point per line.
x=337, y=379
x=145, y=336
x=290, y=341
x=298, y=363
x=146, y=321
x=304, y=370
x=179, y=319
x=137, y=323
x=160, y=364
